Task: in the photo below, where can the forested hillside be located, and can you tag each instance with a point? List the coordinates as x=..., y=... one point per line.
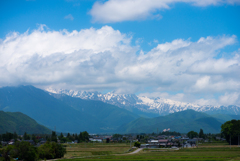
x=20, y=123
x=183, y=122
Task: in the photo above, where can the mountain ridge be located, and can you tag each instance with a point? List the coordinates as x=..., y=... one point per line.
x=157, y=105
x=52, y=112
x=182, y=122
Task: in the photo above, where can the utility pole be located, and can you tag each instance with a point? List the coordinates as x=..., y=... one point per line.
x=238, y=140
x=182, y=143
x=197, y=141
x=230, y=141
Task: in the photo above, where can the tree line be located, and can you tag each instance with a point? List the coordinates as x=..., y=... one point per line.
x=25, y=151
x=81, y=137
x=22, y=149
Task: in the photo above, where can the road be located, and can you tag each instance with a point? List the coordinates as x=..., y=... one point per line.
x=136, y=151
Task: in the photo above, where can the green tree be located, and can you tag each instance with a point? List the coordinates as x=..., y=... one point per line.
x=83, y=136
x=54, y=136
x=68, y=135
x=63, y=140
x=192, y=134
x=46, y=151
x=15, y=136
x=5, y=152
x=137, y=144
x=26, y=136
x=51, y=150
x=7, y=136
x=231, y=128
x=201, y=134
x=34, y=138
x=60, y=136
x=59, y=150
x=24, y=151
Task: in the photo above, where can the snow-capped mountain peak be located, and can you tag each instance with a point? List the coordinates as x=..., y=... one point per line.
x=158, y=105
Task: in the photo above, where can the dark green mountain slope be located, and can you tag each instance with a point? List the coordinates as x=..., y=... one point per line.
x=43, y=108
x=20, y=123
x=51, y=112
x=184, y=122
x=109, y=114
x=225, y=117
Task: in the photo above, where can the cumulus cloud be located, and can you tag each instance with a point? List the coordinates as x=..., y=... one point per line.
x=129, y=10
x=104, y=59
x=230, y=98
x=69, y=16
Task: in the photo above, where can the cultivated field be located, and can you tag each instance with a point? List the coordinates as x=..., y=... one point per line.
x=99, y=151
x=93, y=149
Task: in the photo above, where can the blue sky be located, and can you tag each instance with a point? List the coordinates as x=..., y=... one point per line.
x=180, y=21
x=132, y=34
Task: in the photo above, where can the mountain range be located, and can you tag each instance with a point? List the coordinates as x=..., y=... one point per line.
x=65, y=113
x=148, y=107
x=98, y=113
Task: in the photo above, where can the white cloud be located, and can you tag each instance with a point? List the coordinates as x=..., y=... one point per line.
x=103, y=59
x=155, y=41
x=202, y=82
x=129, y=10
x=69, y=16
x=230, y=98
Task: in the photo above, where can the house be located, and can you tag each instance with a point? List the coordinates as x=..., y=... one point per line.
x=160, y=137
x=163, y=142
x=177, y=137
x=184, y=139
x=153, y=142
x=105, y=137
x=192, y=141
x=95, y=140
x=169, y=144
x=187, y=145
x=144, y=146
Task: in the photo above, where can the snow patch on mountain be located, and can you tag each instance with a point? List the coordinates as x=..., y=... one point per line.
x=158, y=105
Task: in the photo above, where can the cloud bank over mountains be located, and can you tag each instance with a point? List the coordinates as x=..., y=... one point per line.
x=130, y=10
x=104, y=59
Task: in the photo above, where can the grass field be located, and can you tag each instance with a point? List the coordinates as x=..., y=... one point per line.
x=90, y=149
x=99, y=151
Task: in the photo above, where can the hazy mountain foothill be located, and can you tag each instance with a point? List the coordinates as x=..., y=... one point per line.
x=183, y=122
x=69, y=113
x=20, y=123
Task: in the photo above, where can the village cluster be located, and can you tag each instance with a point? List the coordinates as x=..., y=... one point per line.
x=146, y=140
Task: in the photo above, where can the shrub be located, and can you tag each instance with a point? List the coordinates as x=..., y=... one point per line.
x=137, y=144
x=51, y=150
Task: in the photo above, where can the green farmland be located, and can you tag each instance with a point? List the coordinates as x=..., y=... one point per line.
x=118, y=151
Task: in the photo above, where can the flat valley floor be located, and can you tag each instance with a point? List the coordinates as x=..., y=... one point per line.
x=120, y=151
